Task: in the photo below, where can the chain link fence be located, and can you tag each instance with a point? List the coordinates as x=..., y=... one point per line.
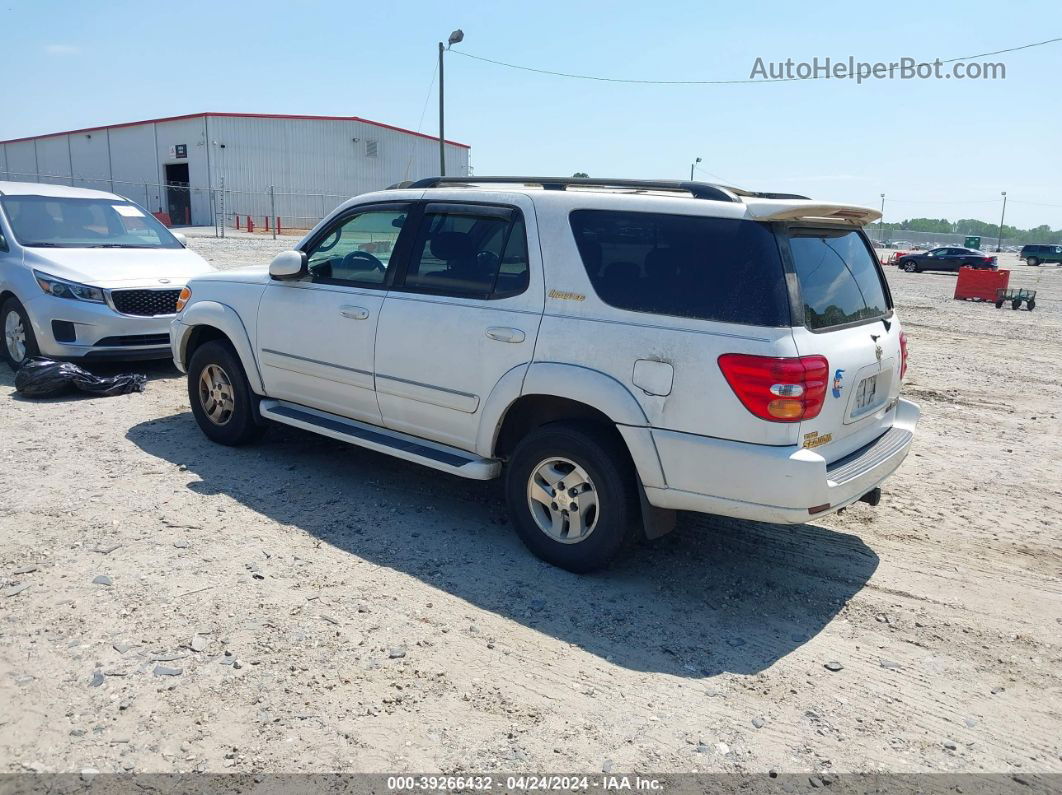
x=271, y=210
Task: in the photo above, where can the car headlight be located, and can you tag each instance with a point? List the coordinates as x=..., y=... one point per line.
x=61, y=288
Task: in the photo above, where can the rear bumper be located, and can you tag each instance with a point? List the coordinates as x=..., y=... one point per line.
x=774, y=484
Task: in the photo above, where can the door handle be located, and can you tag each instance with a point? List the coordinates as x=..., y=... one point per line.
x=354, y=312
x=505, y=334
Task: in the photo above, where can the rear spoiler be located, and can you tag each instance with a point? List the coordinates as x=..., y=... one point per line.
x=809, y=210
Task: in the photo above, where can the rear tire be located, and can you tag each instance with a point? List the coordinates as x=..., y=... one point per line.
x=582, y=524
x=19, y=342
x=221, y=398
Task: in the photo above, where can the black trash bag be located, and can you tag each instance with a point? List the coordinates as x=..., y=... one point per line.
x=42, y=377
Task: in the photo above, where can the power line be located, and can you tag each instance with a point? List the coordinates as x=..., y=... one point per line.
x=629, y=81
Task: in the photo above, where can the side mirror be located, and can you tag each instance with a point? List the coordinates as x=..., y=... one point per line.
x=180, y=238
x=288, y=265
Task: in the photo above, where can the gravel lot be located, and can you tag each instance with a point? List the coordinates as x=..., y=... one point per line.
x=171, y=605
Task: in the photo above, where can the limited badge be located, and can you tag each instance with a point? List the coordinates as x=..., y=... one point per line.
x=838, y=382
x=813, y=439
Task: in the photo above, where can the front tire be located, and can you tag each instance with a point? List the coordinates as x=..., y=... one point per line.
x=221, y=398
x=1032, y=261
x=19, y=342
x=910, y=266
x=571, y=492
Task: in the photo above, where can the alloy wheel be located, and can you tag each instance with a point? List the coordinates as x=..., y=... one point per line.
x=216, y=394
x=15, y=336
x=563, y=500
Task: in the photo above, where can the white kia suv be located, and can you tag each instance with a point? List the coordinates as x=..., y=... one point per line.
x=86, y=274
x=620, y=349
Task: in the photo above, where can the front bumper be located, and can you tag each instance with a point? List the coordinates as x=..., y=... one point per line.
x=774, y=484
x=98, y=331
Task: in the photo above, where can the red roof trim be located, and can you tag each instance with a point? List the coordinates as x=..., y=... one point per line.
x=235, y=116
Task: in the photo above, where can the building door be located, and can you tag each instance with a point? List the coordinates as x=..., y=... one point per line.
x=178, y=194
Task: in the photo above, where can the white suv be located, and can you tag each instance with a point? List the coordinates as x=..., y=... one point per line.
x=621, y=348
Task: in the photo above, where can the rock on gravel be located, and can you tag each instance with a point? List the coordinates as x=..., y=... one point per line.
x=102, y=579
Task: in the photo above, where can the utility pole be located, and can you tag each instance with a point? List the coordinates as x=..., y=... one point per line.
x=999, y=239
x=455, y=37
x=882, y=219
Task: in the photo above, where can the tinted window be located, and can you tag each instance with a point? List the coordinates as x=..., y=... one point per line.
x=59, y=222
x=357, y=251
x=839, y=278
x=688, y=266
x=463, y=254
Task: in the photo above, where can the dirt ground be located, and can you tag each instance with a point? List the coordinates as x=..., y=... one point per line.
x=301, y=605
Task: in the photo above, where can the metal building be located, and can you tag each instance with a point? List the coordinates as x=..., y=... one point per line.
x=205, y=167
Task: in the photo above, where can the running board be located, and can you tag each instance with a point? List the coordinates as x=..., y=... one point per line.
x=400, y=445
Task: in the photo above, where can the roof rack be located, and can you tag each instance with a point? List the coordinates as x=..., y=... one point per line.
x=699, y=190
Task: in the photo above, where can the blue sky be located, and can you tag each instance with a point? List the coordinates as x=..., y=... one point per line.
x=936, y=148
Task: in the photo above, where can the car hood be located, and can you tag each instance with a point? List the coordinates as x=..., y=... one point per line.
x=119, y=267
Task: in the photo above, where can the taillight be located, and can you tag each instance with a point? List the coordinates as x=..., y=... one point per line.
x=903, y=355
x=778, y=389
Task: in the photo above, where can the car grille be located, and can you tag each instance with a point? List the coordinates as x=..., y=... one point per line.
x=145, y=302
x=134, y=339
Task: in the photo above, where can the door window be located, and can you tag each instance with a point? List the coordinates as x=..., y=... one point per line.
x=357, y=251
x=467, y=252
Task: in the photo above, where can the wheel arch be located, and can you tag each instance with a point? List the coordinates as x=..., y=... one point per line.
x=546, y=392
x=210, y=320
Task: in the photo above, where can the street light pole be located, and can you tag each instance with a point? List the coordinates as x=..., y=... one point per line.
x=455, y=37
x=999, y=239
x=692, y=165
x=882, y=219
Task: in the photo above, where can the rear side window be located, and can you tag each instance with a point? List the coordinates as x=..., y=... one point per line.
x=687, y=266
x=840, y=282
x=465, y=252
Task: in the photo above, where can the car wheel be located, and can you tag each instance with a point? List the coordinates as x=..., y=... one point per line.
x=570, y=490
x=999, y=304
x=222, y=400
x=19, y=342
x=1032, y=261
x=1031, y=305
x=910, y=266
x=1015, y=304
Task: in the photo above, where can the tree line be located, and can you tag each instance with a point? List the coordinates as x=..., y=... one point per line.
x=971, y=226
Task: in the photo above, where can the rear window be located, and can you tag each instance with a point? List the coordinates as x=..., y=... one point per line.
x=840, y=282
x=686, y=266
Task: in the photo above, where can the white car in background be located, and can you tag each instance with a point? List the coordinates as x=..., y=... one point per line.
x=86, y=275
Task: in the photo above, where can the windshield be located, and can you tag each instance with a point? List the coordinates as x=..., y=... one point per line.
x=840, y=282
x=51, y=222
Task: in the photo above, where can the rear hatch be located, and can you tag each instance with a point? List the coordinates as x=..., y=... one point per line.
x=843, y=301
